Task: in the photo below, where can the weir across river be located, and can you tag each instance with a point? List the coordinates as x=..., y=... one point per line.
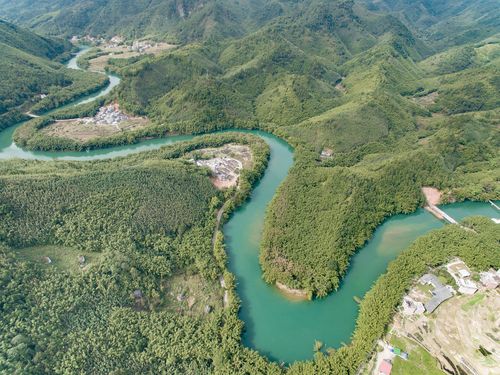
x=440, y=214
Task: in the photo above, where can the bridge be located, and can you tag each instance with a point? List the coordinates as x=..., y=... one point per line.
x=494, y=205
x=440, y=214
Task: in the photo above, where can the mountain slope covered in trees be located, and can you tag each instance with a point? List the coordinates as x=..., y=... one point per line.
x=28, y=71
x=335, y=76
x=179, y=19
x=378, y=98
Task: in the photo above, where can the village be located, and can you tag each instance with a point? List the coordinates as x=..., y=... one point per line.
x=108, y=121
x=118, y=47
x=441, y=315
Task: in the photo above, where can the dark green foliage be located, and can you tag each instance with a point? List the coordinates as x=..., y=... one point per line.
x=27, y=75
x=309, y=248
x=184, y=20
x=447, y=22
x=322, y=74
x=150, y=215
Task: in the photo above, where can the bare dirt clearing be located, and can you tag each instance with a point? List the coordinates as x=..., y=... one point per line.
x=426, y=100
x=225, y=162
x=124, y=52
x=432, y=195
x=107, y=122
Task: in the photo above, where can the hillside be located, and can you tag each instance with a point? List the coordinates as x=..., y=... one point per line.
x=28, y=72
x=336, y=77
x=341, y=78
x=83, y=244
x=444, y=23
x=179, y=20
x=377, y=98
x=26, y=41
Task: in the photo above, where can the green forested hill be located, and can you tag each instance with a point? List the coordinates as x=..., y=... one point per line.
x=141, y=224
x=441, y=23
x=24, y=40
x=180, y=19
x=447, y=22
x=27, y=71
x=341, y=77
x=378, y=98
x=336, y=76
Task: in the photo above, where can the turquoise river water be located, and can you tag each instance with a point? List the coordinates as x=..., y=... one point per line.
x=280, y=328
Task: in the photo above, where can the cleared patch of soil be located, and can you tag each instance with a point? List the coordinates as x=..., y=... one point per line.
x=457, y=330
x=432, y=195
x=85, y=129
x=225, y=162
x=123, y=52
x=426, y=100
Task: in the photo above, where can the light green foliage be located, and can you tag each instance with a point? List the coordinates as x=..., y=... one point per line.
x=27, y=73
x=185, y=20
x=419, y=360
x=140, y=221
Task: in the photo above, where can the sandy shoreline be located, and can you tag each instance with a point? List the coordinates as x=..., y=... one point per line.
x=298, y=294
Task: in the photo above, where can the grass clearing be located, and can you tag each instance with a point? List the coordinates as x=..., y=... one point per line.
x=419, y=361
x=478, y=297
x=62, y=258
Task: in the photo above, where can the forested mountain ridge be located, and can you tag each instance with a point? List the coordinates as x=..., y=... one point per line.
x=356, y=87
x=333, y=76
x=444, y=23
x=336, y=76
x=29, y=72
x=441, y=23
x=178, y=19
x=24, y=40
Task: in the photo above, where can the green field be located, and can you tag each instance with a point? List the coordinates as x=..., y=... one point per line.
x=478, y=297
x=61, y=258
x=419, y=360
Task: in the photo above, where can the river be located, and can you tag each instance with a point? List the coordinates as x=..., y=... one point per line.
x=280, y=328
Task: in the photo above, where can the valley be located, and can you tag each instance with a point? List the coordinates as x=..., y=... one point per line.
x=293, y=150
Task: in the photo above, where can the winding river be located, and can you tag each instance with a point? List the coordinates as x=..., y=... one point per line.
x=282, y=329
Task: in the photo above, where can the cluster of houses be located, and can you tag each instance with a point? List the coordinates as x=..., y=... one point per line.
x=141, y=46
x=440, y=293
x=114, y=42
x=107, y=115
x=87, y=39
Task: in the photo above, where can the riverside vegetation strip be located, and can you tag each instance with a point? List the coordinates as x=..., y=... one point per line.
x=213, y=85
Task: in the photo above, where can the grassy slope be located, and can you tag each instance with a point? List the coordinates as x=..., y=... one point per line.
x=419, y=361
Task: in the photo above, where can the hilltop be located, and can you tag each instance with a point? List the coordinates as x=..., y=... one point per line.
x=179, y=20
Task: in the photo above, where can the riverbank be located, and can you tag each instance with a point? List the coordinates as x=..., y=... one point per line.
x=294, y=294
